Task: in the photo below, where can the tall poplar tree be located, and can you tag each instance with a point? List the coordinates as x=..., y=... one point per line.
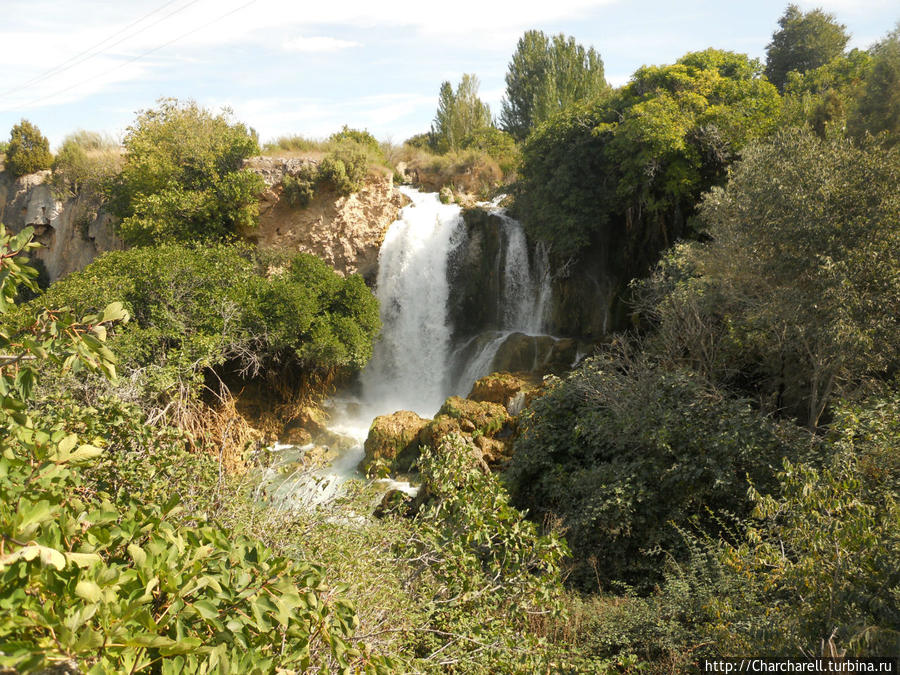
x=803, y=42
x=547, y=74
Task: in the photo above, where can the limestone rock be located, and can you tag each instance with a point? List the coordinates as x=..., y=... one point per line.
x=393, y=439
x=70, y=237
x=513, y=391
x=486, y=417
x=344, y=231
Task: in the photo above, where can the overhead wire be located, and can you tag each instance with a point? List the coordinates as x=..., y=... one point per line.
x=84, y=56
x=139, y=56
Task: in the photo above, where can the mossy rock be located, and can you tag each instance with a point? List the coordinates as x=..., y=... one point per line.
x=393, y=440
x=514, y=391
x=482, y=417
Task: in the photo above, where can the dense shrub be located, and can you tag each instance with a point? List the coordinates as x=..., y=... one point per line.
x=28, y=150
x=626, y=171
x=346, y=166
x=299, y=189
x=118, y=583
x=196, y=309
x=85, y=166
x=794, y=303
x=499, y=145
x=360, y=137
x=625, y=452
x=182, y=178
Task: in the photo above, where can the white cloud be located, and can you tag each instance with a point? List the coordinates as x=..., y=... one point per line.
x=317, y=44
x=382, y=114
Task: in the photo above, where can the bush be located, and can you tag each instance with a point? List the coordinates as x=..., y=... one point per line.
x=121, y=584
x=346, y=166
x=182, y=178
x=625, y=453
x=28, y=150
x=300, y=189
x=294, y=143
x=197, y=309
x=363, y=138
x=84, y=168
x=498, y=145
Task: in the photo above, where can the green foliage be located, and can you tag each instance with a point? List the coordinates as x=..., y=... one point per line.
x=295, y=143
x=824, y=562
x=459, y=114
x=803, y=42
x=547, y=75
x=627, y=171
x=825, y=96
x=795, y=301
x=28, y=150
x=420, y=141
x=878, y=106
x=498, y=145
x=481, y=569
x=363, y=138
x=85, y=166
x=299, y=189
x=182, y=178
x=126, y=586
x=196, y=309
x=626, y=452
x=346, y=166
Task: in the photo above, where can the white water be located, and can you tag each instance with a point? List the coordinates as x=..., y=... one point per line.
x=411, y=363
x=408, y=367
x=524, y=300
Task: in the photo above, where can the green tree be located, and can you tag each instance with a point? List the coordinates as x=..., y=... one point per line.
x=803, y=42
x=459, y=114
x=547, y=75
x=824, y=97
x=182, y=178
x=28, y=150
x=626, y=452
x=878, y=107
x=626, y=172
x=794, y=297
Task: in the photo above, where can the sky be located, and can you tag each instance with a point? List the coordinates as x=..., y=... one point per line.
x=293, y=67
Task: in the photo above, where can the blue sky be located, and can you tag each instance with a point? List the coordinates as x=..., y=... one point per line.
x=286, y=66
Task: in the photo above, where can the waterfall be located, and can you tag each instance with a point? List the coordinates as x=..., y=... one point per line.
x=409, y=364
x=526, y=284
x=524, y=300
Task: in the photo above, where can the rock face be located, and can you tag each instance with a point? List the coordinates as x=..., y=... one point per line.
x=393, y=439
x=476, y=276
x=486, y=427
x=70, y=238
x=539, y=354
x=512, y=391
x=346, y=232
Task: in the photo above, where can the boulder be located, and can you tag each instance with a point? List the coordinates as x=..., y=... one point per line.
x=513, y=391
x=538, y=354
x=484, y=417
x=393, y=439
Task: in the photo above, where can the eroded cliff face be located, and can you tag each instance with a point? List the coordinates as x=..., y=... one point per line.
x=346, y=232
x=70, y=237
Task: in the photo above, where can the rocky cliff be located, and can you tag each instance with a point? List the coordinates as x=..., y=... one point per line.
x=344, y=231
x=71, y=235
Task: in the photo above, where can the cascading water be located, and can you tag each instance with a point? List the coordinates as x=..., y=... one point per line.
x=525, y=297
x=412, y=367
x=408, y=367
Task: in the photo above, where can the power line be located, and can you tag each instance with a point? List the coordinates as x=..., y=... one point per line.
x=83, y=56
x=139, y=56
